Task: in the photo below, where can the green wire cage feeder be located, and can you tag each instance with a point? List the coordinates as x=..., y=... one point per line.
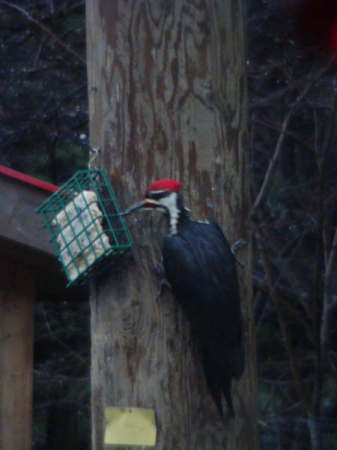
x=84, y=224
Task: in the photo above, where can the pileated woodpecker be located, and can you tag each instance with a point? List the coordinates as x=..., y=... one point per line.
x=200, y=269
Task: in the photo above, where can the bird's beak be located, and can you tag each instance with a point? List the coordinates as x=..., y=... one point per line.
x=146, y=203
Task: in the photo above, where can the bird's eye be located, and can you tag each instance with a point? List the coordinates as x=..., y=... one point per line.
x=157, y=195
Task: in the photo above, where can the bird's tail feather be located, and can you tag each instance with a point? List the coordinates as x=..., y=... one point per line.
x=218, y=383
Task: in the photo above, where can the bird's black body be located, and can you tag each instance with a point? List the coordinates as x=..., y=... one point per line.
x=200, y=268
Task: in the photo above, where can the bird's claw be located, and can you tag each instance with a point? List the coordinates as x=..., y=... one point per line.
x=237, y=245
x=164, y=283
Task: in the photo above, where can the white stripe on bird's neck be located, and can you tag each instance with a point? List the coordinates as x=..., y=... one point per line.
x=170, y=203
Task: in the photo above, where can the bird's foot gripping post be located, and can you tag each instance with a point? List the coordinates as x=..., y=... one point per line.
x=238, y=245
x=159, y=272
x=164, y=284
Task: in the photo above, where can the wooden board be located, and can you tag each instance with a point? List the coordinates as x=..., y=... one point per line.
x=17, y=293
x=23, y=238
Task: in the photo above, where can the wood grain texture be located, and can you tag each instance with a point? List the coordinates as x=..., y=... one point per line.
x=167, y=97
x=16, y=356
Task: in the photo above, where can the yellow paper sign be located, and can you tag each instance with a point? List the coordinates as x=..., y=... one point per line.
x=130, y=426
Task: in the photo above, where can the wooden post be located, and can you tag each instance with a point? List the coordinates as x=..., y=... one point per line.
x=168, y=99
x=17, y=293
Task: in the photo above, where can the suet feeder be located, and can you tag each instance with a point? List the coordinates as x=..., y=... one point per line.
x=85, y=226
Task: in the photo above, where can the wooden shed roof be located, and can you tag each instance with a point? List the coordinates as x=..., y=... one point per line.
x=22, y=236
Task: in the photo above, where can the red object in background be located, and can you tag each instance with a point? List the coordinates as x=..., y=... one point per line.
x=24, y=178
x=333, y=39
x=315, y=24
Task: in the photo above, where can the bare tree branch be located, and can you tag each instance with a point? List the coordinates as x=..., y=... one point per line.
x=327, y=304
x=282, y=322
x=44, y=28
x=281, y=137
x=59, y=341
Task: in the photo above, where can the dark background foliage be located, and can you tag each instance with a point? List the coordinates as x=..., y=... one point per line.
x=292, y=90
x=43, y=132
x=43, y=94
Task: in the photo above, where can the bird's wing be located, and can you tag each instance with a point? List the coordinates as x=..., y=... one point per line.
x=201, y=270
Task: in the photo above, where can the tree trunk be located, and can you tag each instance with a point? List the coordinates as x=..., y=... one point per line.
x=167, y=96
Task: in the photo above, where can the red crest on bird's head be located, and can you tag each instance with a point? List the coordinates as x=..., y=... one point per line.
x=165, y=185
